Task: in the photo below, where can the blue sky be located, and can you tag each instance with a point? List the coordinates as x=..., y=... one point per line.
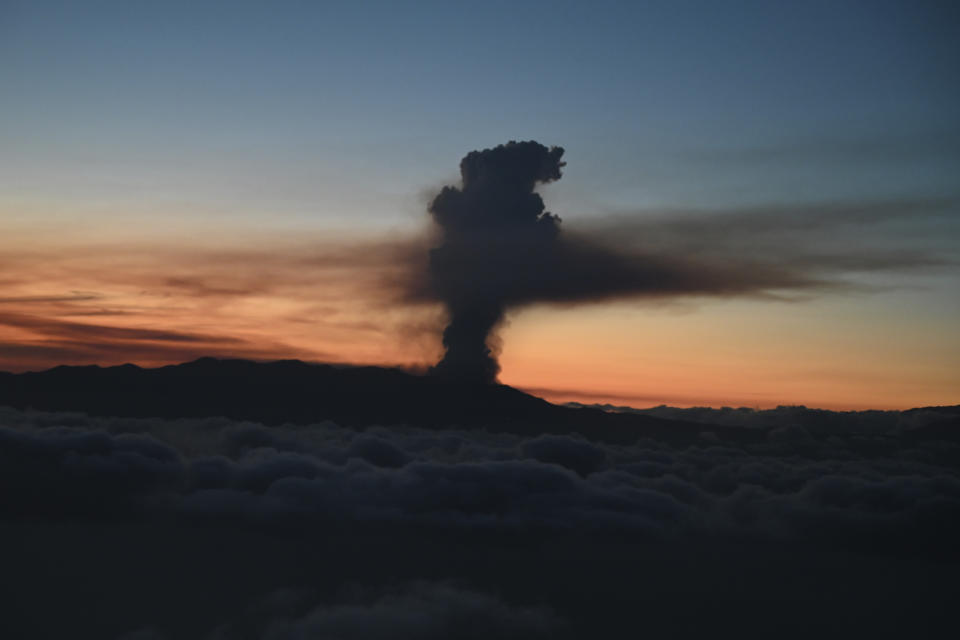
x=290, y=105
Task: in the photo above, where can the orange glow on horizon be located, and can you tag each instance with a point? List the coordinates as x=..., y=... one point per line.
x=156, y=305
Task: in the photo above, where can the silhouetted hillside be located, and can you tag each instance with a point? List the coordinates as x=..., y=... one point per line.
x=292, y=391
x=297, y=392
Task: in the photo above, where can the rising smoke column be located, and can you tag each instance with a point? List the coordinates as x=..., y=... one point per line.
x=500, y=250
x=493, y=227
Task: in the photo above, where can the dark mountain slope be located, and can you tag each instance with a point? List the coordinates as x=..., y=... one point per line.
x=298, y=392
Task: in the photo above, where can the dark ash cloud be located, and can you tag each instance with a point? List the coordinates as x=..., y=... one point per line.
x=501, y=250
x=493, y=228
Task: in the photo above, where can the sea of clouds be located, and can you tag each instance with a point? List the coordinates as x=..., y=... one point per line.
x=323, y=531
x=842, y=489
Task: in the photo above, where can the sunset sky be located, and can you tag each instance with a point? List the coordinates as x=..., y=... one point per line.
x=251, y=179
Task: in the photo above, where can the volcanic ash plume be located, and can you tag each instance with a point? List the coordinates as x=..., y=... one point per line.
x=493, y=226
x=501, y=250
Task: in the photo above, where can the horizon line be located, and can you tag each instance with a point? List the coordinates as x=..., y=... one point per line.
x=558, y=396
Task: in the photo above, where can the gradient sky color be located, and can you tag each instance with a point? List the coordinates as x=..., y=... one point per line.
x=217, y=174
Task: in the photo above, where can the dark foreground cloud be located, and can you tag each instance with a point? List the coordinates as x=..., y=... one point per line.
x=829, y=487
x=500, y=249
x=419, y=610
x=214, y=528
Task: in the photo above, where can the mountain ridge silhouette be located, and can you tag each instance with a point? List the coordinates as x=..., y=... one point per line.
x=297, y=392
x=293, y=391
